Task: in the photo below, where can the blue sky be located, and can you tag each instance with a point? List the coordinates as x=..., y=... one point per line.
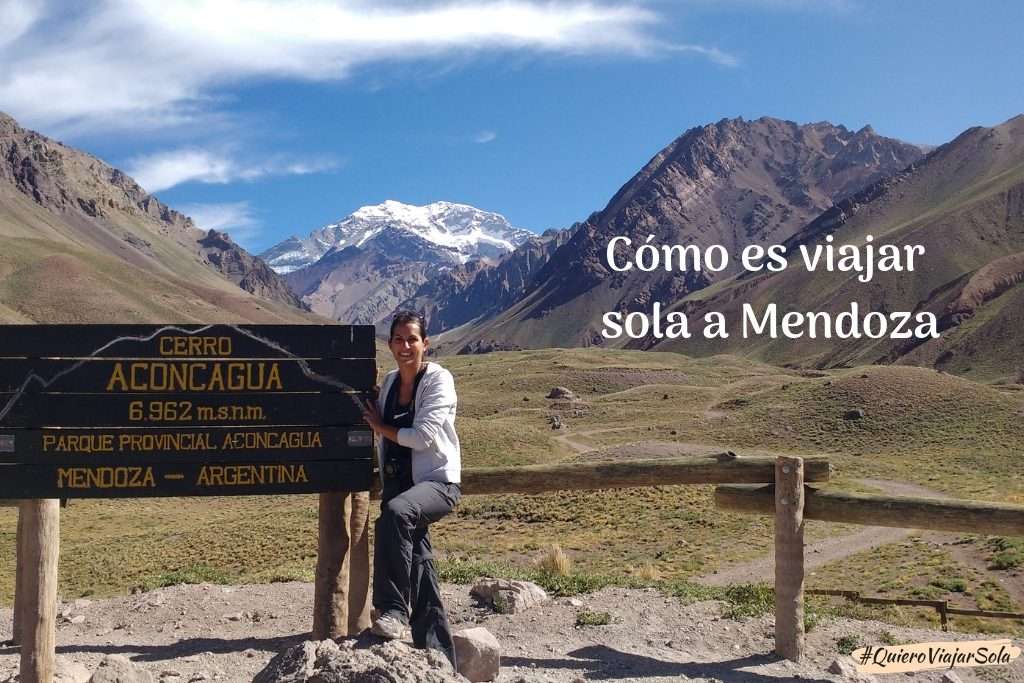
x=270, y=119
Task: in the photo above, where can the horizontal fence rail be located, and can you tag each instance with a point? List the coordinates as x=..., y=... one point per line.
x=940, y=606
x=710, y=469
x=940, y=514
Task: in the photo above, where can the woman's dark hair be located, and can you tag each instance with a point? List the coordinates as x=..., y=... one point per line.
x=406, y=318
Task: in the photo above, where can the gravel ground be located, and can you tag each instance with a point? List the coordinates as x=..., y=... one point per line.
x=224, y=633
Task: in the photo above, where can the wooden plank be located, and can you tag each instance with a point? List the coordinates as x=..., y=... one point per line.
x=39, y=631
x=789, y=558
x=183, y=410
x=712, y=469
x=148, y=341
x=186, y=376
x=984, y=613
x=198, y=444
x=940, y=514
x=183, y=479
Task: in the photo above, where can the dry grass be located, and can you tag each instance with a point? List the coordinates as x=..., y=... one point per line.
x=920, y=426
x=555, y=561
x=648, y=572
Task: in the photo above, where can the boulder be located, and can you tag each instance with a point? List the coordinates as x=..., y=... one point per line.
x=508, y=596
x=70, y=672
x=362, y=660
x=478, y=654
x=855, y=414
x=562, y=393
x=845, y=668
x=119, y=669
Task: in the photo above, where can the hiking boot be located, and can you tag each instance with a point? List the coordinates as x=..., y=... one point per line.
x=389, y=627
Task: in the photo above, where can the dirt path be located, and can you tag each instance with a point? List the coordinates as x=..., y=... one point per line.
x=566, y=437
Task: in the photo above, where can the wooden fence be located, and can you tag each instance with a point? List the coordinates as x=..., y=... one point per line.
x=343, y=571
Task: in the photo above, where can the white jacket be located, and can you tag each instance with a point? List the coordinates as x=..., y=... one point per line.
x=436, y=455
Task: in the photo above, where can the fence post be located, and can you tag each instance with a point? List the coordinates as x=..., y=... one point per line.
x=789, y=557
x=39, y=590
x=359, y=564
x=21, y=562
x=341, y=599
x=330, y=593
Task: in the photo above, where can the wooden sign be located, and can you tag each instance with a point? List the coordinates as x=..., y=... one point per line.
x=182, y=410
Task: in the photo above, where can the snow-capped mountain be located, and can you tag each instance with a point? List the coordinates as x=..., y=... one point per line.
x=454, y=233
x=359, y=269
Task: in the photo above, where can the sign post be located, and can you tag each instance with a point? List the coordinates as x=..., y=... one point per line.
x=115, y=411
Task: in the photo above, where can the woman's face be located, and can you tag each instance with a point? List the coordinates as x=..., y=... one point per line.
x=408, y=345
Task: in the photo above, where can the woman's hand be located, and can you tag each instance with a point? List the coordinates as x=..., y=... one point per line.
x=372, y=416
x=374, y=421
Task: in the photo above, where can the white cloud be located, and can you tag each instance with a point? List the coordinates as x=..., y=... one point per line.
x=163, y=170
x=158, y=63
x=485, y=136
x=17, y=17
x=235, y=218
x=713, y=53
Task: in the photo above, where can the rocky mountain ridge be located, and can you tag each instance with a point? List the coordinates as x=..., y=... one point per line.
x=479, y=289
x=76, y=225
x=964, y=203
x=733, y=183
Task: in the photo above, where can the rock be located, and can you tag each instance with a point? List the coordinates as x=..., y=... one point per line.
x=362, y=660
x=120, y=669
x=951, y=677
x=844, y=667
x=478, y=654
x=508, y=596
x=77, y=619
x=237, y=616
x=855, y=414
x=561, y=392
x=294, y=664
x=71, y=672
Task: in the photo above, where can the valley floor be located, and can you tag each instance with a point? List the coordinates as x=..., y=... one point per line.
x=225, y=633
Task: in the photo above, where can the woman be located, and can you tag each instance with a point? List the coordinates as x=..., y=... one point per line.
x=420, y=467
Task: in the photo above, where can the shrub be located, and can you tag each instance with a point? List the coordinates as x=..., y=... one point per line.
x=648, y=572
x=749, y=600
x=586, y=618
x=196, y=573
x=556, y=561
x=953, y=585
x=847, y=644
x=1007, y=553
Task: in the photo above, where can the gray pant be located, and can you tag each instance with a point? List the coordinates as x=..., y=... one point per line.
x=403, y=561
